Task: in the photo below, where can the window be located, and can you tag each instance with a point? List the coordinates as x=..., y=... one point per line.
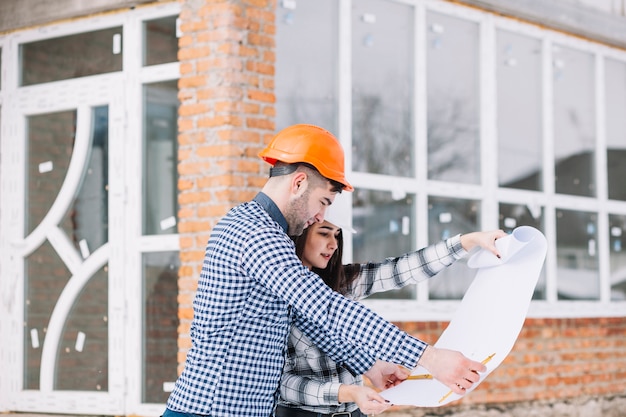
x=458, y=120
x=82, y=343
x=306, y=78
x=50, y=145
x=615, y=93
x=92, y=160
x=160, y=212
x=161, y=41
x=73, y=56
x=386, y=227
x=452, y=63
x=617, y=227
x=157, y=181
x=446, y=217
x=577, y=255
x=574, y=121
x=160, y=324
x=382, y=88
x=519, y=111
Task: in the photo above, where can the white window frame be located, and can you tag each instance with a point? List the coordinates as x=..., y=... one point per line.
x=134, y=233
x=488, y=192
x=122, y=92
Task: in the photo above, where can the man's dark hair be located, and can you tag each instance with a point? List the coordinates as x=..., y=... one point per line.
x=281, y=168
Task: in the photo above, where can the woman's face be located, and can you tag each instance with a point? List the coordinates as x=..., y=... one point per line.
x=321, y=244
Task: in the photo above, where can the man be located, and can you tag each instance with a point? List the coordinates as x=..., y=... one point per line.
x=252, y=285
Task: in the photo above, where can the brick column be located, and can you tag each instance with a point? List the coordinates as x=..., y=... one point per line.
x=226, y=115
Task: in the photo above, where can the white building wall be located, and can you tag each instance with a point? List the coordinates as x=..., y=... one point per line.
x=616, y=7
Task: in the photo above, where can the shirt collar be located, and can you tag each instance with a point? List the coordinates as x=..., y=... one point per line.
x=272, y=209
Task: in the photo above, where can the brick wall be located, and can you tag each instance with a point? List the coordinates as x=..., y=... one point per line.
x=226, y=116
x=552, y=359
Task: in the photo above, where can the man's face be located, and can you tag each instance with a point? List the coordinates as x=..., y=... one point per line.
x=308, y=207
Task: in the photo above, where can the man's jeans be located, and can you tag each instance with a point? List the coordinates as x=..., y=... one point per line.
x=170, y=413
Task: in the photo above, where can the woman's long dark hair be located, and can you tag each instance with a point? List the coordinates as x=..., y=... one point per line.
x=337, y=276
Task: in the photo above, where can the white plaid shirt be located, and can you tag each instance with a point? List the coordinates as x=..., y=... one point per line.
x=311, y=379
x=242, y=317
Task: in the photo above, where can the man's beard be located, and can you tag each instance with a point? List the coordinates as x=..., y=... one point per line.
x=295, y=211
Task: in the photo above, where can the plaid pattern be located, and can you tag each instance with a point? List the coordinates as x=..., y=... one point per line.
x=311, y=379
x=251, y=280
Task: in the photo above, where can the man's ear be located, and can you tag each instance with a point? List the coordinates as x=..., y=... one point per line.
x=299, y=183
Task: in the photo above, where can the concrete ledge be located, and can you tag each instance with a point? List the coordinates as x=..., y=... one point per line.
x=568, y=17
x=18, y=14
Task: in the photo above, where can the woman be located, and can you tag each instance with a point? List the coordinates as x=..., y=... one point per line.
x=312, y=384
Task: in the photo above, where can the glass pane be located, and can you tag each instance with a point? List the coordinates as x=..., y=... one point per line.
x=71, y=56
x=87, y=221
x=161, y=44
x=515, y=215
x=615, y=92
x=577, y=258
x=83, y=355
x=160, y=158
x=382, y=87
x=574, y=122
x=386, y=227
x=160, y=318
x=448, y=217
x=50, y=145
x=518, y=69
x=45, y=276
x=306, y=77
x=453, y=99
x=617, y=230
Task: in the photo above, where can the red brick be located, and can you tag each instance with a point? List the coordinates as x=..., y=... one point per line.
x=264, y=96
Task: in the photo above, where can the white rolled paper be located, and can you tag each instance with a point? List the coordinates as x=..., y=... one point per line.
x=490, y=316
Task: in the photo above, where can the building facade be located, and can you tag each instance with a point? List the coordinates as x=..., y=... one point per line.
x=128, y=128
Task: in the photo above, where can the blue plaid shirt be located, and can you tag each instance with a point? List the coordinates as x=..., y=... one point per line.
x=251, y=280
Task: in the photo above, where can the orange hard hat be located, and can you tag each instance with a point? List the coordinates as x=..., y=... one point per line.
x=310, y=144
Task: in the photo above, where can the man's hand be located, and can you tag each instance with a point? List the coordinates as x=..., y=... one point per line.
x=385, y=375
x=368, y=400
x=451, y=368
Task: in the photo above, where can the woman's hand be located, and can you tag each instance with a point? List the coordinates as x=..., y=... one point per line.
x=485, y=240
x=368, y=400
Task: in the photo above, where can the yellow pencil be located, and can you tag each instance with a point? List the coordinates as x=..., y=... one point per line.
x=488, y=358
x=421, y=376
x=484, y=362
x=445, y=396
